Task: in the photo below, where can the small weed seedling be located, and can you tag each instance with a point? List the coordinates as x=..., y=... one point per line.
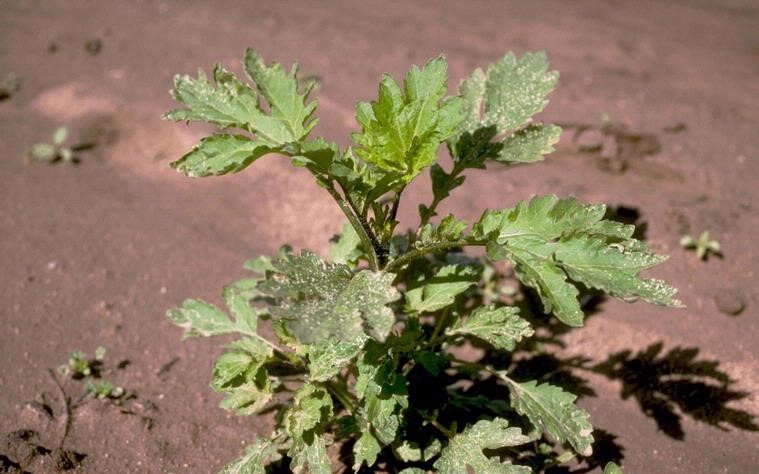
x=703, y=246
x=81, y=367
x=362, y=366
x=55, y=151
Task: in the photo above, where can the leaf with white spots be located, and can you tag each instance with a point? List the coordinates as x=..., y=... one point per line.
x=553, y=411
x=465, y=451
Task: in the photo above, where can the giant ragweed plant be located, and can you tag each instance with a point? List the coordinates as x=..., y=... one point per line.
x=363, y=357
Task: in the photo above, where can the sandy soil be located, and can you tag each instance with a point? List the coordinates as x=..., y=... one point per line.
x=93, y=254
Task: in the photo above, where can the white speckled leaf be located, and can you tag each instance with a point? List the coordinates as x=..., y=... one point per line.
x=319, y=300
x=464, y=453
x=552, y=240
x=529, y=144
x=500, y=327
x=328, y=358
x=254, y=461
x=221, y=154
x=553, y=411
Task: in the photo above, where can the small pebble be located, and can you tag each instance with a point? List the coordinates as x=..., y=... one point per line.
x=52, y=265
x=729, y=302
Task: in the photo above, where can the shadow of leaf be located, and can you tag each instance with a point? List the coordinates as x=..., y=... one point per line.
x=668, y=386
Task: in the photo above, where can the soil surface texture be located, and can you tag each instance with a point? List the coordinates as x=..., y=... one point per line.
x=660, y=105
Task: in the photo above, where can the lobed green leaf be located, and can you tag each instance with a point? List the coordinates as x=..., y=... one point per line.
x=500, y=327
x=465, y=451
x=553, y=411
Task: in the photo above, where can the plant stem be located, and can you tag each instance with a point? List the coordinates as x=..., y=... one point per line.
x=455, y=172
x=439, y=325
x=343, y=396
x=368, y=239
x=448, y=433
x=414, y=254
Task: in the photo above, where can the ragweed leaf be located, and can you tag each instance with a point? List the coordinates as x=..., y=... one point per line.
x=241, y=376
x=60, y=135
x=329, y=357
x=237, y=296
x=382, y=391
x=501, y=102
x=221, y=154
x=439, y=291
x=500, y=327
x=310, y=456
x=230, y=103
x=255, y=459
x=509, y=93
x=227, y=102
x=403, y=129
x=312, y=407
x=319, y=300
x=551, y=240
x=464, y=453
x=289, y=107
x=346, y=247
x=554, y=412
x=529, y=144
x=450, y=229
x=199, y=318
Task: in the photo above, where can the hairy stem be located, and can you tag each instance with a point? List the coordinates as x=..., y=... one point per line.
x=419, y=253
x=364, y=232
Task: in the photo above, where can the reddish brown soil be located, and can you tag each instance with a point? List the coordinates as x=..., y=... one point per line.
x=93, y=254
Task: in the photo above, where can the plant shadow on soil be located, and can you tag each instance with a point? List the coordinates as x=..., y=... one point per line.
x=667, y=385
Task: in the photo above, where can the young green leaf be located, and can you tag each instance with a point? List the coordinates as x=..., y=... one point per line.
x=230, y=103
x=553, y=411
x=60, y=135
x=500, y=327
x=439, y=291
x=312, y=407
x=309, y=456
x=382, y=391
x=464, y=453
x=403, y=129
x=289, y=107
x=346, y=247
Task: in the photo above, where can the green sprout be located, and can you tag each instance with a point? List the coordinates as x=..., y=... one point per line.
x=80, y=366
x=704, y=245
x=103, y=389
x=52, y=152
